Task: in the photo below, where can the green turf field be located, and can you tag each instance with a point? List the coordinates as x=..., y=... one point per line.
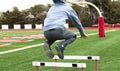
x=107, y=48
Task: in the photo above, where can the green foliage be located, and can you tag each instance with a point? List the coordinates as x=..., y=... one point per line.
x=22, y=17
x=86, y=15
x=110, y=10
x=37, y=9
x=11, y=16
x=39, y=12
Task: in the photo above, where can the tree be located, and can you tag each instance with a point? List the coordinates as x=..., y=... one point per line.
x=16, y=15
x=38, y=9
x=114, y=14
x=86, y=16
x=11, y=17
x=110, y=10
x=6, y=16
x=39, y=12
x=21, y=17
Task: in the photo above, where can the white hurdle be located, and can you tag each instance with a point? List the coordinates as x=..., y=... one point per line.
x=54, y=64
x=68, y=57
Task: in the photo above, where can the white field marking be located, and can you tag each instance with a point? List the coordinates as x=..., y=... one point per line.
x=96, y=33
x=14, y=50
x=30, y=40
x=8, y=44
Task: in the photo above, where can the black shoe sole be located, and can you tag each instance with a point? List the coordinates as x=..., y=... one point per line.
x=48, y=51
x=60, y=55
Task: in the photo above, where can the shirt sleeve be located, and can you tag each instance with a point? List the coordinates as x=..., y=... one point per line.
x=73, y=16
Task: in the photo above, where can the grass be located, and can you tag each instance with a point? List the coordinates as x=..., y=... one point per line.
x=17, y=33
x=9, y=33
x=107, y=48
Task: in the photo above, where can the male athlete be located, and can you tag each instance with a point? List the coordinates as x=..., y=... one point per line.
x=54, y=27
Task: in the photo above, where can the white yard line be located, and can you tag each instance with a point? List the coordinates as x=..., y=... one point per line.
x=23, y=48
x=14, y=50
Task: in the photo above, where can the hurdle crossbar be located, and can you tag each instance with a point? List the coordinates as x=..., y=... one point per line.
x=59, y=64
x=68, y=57
x=79, y=57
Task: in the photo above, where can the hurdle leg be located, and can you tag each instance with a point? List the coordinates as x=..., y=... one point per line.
x=83, y=69
x=56, y=68
x=96, y=65
x=37, y=68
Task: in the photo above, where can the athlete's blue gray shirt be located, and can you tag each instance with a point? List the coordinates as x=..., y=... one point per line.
x=58, y=14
